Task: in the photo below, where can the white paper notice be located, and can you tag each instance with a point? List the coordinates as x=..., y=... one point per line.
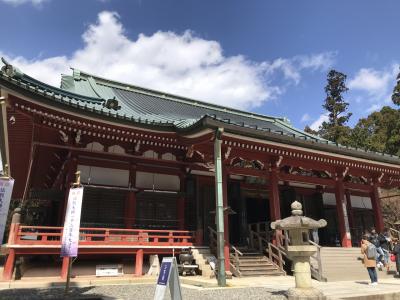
x=6, y=187
x=72, y=223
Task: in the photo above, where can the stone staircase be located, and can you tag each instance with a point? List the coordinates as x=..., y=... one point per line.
x=340, y=264
x=200, y=255
x=253, y=263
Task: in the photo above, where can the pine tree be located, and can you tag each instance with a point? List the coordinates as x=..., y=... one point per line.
x=396, y=92
x=335, y=128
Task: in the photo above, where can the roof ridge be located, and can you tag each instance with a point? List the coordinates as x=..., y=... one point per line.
x=178, y=98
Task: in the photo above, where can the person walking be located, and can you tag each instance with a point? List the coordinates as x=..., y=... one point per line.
x=369, y=258
x=374, y=239
x=384, y=243
x=396, y=252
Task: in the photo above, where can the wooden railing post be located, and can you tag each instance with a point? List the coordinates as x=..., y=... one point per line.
x=139, y=263
x=10, y=261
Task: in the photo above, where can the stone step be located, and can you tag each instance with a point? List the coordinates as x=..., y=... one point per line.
x=262, y=273
x=257, y=268
x=244, y=264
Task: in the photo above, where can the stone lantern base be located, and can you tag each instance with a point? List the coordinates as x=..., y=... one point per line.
x=305, y=294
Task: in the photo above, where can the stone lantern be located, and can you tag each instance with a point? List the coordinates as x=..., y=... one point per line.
x=299, y=251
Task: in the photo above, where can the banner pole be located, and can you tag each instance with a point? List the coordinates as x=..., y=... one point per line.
x=75, y=184
x=68, y=278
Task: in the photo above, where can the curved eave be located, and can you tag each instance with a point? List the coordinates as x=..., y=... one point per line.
x=64, y=103
x=306, y=144
x=54, y=97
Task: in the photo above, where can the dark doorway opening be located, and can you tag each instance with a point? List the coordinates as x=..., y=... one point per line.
x=257, y=210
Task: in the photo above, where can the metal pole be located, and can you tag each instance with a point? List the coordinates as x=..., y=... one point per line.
x=219, y=208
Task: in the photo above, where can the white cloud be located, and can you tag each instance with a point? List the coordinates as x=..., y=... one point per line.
x=182, y=64
x=292, y=67
x=305, y=118
x=318, y=122
x=19, y=2
x=375, y=86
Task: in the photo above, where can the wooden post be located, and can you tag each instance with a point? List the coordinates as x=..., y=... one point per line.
x=349, y=209
x=130, y=210
x=64, y=268
x=181, y=204
x=67, y=261
x=130, y=204
x=10, y=261
x=341, y=209
x=9, y=265
x=376, y=206
x=4, y=145
x=274, y=202
x=139, y=263
x=199, y=215
x=225, y=177
x=72, y=168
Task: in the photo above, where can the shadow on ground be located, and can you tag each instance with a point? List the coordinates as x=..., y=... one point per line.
x=52, y=293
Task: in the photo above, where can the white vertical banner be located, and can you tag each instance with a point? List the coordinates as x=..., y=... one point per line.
x=6, y=187
x=72, y=223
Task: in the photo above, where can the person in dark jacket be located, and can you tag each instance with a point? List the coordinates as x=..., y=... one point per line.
x=374, y=239
x=396, y=252
x=384, y=243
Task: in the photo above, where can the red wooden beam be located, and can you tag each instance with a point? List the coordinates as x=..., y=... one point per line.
x=306, y=179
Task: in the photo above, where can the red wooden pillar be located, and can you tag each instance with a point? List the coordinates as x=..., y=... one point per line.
x=199, y=216
x=341, y=208
x=72, y=168
x=14, y=228
x=64, y=267
x=376, y=206
x=225, y=176
x=130, y=209
x=139, y=263
x=9, y=265
x=349, y=209
x=181, y=204
x=274, y=202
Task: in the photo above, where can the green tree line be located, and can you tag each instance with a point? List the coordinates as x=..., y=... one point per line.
x=380, y=131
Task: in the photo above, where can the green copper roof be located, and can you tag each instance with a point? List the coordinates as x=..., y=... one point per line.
x=131, y=104
x=155, y=106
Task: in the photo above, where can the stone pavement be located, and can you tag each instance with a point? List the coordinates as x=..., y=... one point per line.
x=387, y=289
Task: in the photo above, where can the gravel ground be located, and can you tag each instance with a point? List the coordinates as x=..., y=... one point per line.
x=142, y=292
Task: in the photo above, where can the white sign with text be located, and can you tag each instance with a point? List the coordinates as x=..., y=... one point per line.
x=6, y=187
x=72, y=223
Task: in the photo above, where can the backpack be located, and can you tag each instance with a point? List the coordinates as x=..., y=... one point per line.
x=371, y=251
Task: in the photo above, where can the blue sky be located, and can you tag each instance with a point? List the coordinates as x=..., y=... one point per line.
x=270, y=57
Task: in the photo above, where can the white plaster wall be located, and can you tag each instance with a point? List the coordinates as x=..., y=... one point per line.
x=356, y=201
x=104, y=176
x=161, y=181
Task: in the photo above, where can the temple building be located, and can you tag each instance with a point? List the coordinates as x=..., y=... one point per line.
x=152, y=163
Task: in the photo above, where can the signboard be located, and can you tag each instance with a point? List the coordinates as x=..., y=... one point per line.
x=168, y=276
x=109, y=270
x=70, y=237
x=165, y=270
x=6, y=187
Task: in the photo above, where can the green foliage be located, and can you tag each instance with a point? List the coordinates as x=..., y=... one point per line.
x=335, y=128
x=310, y=131
x=396, y=92
x=380, y=132
x=334, y=102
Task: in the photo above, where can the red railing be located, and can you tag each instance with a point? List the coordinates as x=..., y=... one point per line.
x=43, y=235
